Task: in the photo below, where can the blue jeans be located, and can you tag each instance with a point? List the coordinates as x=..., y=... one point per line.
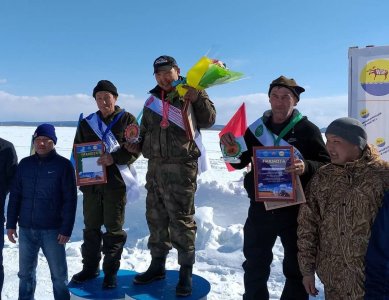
x=1, y=261
x=30, y=241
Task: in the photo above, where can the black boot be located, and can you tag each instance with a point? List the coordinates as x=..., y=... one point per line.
x=184, y=286
x=156, y=271
x=91, y=255
x=112, y=248
x=110, y=281
x=85, y=274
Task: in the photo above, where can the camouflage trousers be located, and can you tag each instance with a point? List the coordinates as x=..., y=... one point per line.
x=170, y=209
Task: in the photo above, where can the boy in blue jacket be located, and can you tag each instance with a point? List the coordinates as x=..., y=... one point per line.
x=43, y=202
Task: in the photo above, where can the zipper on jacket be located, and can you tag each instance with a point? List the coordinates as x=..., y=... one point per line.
x=34, y=194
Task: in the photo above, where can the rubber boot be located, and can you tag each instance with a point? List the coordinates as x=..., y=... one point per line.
x=112, y=248
x=184, y=286
x=85, y=274
x=110, y=281
x=156, y=271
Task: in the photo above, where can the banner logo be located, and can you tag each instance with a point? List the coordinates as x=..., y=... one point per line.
x=364, y=113
x=374, y=77
x=259, y=131
x=380, y=142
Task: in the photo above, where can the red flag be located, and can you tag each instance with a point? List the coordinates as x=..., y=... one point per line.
x=237, y=125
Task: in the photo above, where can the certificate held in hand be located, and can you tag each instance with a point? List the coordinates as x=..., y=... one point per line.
x=88, y=172
x=272, y=182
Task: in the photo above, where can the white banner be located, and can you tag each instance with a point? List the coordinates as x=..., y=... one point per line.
x=368, y=97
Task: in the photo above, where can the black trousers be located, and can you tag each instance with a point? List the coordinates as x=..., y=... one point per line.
x=260, y=233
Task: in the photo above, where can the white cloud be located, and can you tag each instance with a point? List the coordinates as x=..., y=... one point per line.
x=3, y=80
x=320, y=111
x=56, y=108
x=323, y=110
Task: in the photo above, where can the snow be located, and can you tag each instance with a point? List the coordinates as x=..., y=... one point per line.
x=221, y=210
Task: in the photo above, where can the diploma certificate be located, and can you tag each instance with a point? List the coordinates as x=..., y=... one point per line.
x=88, y=172
x=272, y=182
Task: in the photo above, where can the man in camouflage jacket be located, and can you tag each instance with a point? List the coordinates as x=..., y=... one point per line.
x=172, y=172
x=343, y=199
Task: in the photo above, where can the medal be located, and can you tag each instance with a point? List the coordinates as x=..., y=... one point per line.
x=164, y=124
x=233, y=150
x=131, y=133
x=231, y=153
x=165, y=113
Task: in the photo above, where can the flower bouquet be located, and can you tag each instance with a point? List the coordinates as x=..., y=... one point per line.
x=205, y=73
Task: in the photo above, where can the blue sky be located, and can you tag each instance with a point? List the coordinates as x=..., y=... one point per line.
x=53, y=52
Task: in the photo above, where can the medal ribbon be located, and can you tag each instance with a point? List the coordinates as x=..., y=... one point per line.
x=109, y=126
x=165, y=111
x=291, y=124
x=268, y=138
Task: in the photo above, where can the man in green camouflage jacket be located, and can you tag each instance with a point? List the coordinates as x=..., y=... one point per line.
x=172, y=172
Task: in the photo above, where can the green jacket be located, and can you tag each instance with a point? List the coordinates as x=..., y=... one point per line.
x=172, y=144
x=85, y=134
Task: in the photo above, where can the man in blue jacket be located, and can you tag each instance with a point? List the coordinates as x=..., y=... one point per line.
x=43, y=202
x=8, y=165
x=377, y=257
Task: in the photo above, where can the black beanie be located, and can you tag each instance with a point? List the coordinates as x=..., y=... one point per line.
x=349, y=129
x=105, y=86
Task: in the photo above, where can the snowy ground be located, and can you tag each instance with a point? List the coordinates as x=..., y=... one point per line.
x=221, y=210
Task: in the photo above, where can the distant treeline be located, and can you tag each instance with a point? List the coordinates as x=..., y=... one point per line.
x=66, y=124
x=74, y=124
x=57, y=123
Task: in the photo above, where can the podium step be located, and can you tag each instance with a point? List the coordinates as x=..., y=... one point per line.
x=126, y=290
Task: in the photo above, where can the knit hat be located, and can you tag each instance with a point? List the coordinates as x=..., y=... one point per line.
x=164, y=63
x=288, y=83
x=46, y=130
x=349, y=129
x=105, y=86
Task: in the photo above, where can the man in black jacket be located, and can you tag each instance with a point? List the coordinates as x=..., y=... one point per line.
x=282, y=125
x=8, y=165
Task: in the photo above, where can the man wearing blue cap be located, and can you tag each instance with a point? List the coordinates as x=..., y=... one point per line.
x=43, y=202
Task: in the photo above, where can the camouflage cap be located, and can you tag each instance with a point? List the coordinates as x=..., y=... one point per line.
x=288, y=83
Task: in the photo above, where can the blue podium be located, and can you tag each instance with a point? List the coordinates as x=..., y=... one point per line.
x=126, y=290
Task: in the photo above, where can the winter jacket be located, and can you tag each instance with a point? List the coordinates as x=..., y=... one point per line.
x=8, y=165
x=172, y=144
x=377, y=256
x=335, y=223
x=305, y=136
x=44, y=194
x=85, y=134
